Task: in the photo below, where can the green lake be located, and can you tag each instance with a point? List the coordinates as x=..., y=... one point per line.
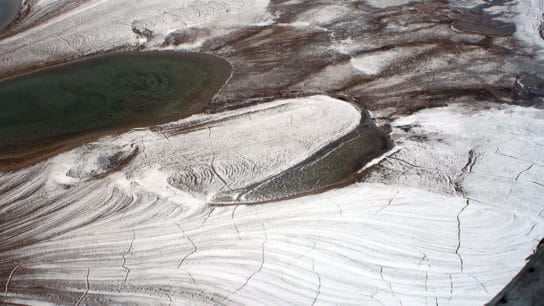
x=104, y=93
x=8, y=11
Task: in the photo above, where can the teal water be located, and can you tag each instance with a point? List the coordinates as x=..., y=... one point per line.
x=105, y=93
x=8, y=11
x=332, y=165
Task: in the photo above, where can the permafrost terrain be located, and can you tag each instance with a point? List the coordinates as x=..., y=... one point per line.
x=168, y=214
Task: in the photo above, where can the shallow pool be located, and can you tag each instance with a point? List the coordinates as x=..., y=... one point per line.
x=104, y=93
x=8, y=11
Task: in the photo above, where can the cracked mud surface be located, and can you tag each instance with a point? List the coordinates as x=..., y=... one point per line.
x=526, y=287
x=447, y=216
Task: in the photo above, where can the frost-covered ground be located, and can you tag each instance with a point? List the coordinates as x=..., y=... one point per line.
x=448, y=216
x=82, y=27
x=450, y=226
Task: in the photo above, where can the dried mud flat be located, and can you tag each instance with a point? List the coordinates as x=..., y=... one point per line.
x=447, y=216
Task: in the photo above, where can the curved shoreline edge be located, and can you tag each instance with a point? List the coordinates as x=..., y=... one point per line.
x=34, y=151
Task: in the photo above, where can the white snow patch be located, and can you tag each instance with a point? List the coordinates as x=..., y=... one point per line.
x=529, y=19
x=374, y=63
x=388, y=3
x=331, y=77
x=401, y=241
x=99, y=25
x=230, y=151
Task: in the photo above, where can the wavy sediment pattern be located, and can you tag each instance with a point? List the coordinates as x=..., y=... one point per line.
x=336, y=162
x=102, y=94
x=8, y=11
x=447, y=217
x=54, y=31
x=73, y=234
x=139, y=181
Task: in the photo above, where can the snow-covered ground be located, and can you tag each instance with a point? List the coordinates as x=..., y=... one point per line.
x=529, y=21
x=447, y=217
x=449, y=220
x=100, y=25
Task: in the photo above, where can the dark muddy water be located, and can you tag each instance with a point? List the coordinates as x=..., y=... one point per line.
x=8, y=11
x=105, y=93
x=332, y=165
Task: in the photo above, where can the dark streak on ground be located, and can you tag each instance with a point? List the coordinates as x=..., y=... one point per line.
x=527, y=288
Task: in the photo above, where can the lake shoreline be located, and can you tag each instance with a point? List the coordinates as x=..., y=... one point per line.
x=32, y=153
x=11, y=9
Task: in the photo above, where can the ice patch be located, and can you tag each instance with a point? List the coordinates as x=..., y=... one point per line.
x=529, y=22
x=324, y=15
x=388, y=3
